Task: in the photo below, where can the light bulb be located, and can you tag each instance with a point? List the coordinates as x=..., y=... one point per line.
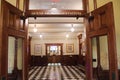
x=72, y=29
x=41, y=36
x=35, y=29
x=67, y=36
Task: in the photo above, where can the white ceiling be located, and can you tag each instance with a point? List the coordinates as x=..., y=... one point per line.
x=59, y=4
x=57, y=27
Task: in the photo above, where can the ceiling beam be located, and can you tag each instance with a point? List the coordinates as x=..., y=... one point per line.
x=55, y=13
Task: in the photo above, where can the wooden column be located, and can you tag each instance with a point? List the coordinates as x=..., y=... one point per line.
x=95, y=4
x=29, y=51
x=15, y=57
x=80, y=47
x=17, y=3
x=1, y=29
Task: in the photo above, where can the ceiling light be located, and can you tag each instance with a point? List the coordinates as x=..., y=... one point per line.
x=72, y=29
x=41, y=36
x=35, y=29
x=53, y=8
x=67, y=35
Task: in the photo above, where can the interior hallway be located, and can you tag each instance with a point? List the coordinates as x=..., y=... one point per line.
x=55, y=71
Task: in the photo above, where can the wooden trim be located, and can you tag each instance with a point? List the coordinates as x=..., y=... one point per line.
x=84, y=5
x=59, y=13
x=26, y=5
x=17, y=3
x=50, y=44
x=87, y=6
x=95, y=4
x=98, y=26
x=15, y=59
x=98, y=51
x=29, y=47
x=1, y=31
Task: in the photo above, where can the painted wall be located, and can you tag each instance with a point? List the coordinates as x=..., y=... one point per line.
x=116, y=5
x=54, y=40
x=19, y=54
x=104, y=61
x=91, y=5
x=11, y=53
x=13, y=2
x=21, y=5
x=94, y=52
x=117, y=27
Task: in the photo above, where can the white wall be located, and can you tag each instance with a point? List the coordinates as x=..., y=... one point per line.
x=55, y=40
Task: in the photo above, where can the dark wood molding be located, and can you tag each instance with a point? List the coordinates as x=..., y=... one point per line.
x=64, y=60
x=12, y=27
x=27, y=4
x=29, y=51
x=95, y=4
x=17, y=3
x=98, y=52
x=59, y=13
x=84, y=5
x=87, y=6
x=15, y=56
x=1, y=31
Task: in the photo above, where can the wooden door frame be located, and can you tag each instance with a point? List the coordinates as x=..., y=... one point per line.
x=54, y=44
x=14, y=30
x=94, y=29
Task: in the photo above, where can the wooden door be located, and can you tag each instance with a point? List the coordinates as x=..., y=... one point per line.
x=100, y=24
x=54, y=52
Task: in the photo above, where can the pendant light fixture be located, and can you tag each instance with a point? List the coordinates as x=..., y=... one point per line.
x=72, y=28
x=67, y=35
x=35, y=28
x=41, y=35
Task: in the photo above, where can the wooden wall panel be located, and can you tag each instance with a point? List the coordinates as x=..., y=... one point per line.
x=102, y=20
x=38, y=60
x=12, y=26
x=64, y=60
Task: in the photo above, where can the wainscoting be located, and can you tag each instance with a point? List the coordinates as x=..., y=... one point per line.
x=63, y=59
x=101, y=75
x=38, y=60
x=17, y=75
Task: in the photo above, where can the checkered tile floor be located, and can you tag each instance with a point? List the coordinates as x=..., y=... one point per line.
x=56, y=72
